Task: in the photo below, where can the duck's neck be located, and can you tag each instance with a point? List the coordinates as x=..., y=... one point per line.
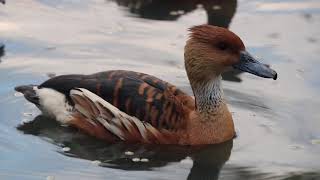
x=209, y=97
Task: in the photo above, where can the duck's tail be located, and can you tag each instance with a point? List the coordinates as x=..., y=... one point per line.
x=29, y=92
x=99, y=112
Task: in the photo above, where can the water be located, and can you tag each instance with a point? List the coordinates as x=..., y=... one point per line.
x=277, y=121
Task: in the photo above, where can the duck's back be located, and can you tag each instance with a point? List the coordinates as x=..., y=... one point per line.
x=143, y=96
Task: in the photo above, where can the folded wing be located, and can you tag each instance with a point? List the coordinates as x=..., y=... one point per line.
x=99, y=112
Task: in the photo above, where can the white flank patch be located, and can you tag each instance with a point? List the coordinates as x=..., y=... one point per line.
x=54, y=104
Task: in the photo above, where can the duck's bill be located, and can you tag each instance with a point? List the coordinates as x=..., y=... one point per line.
x=249, y=64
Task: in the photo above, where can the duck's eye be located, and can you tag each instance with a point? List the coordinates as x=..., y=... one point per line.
x=222, y=46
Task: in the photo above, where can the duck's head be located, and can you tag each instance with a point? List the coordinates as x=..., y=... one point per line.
x=211, y=50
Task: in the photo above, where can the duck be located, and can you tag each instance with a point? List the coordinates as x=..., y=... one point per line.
x=134, y=107
x=219, y=13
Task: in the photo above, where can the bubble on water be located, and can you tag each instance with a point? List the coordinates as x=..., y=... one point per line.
x=18, y=94
x=216, y=7
x=181, y=12
x=64, y=125
x=129, y=153
x=174, y=13
x=136, y=159
x=66, y=149
x=187, y=160
x=27, y=114
x=96, y=162
x=144, y=160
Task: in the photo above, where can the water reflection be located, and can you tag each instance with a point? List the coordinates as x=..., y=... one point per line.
x=219, y=13
x=207, y=160
x=2, y=51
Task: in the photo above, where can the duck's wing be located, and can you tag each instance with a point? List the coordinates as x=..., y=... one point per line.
x=154, y=103
x=99, y=113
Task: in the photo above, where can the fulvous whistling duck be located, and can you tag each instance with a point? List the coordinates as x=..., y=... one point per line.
x=135, y=107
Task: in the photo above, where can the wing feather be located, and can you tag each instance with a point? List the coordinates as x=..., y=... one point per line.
x=120, y=124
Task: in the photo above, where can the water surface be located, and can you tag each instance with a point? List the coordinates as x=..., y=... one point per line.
x=277, y=121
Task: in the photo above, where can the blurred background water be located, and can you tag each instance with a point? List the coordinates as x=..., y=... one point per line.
x=278, y=122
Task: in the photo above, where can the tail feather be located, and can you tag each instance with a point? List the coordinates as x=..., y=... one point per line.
x=125, y=127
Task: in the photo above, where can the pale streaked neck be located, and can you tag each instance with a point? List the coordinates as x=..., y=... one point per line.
x=208, y=95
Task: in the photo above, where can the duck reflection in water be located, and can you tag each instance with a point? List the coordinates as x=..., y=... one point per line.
x=2, y=50
x=207, y=160
x=219, y=13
